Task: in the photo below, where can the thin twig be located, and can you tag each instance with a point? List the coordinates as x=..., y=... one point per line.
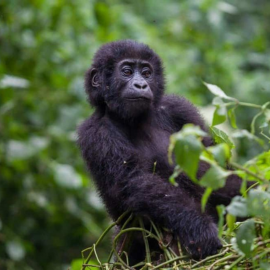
x=232, y=256
x=236, y=262
x=248, y=171
x=210, y=258
x=171, y=261
x=103, y=235
x=146, y=244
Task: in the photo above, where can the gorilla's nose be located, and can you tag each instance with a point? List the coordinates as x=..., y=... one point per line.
x=140, y=85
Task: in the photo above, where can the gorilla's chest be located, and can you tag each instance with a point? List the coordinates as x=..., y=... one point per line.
x=152, y=147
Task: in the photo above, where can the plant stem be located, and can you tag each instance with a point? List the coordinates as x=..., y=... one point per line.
x=147, y=249
x=210, y=258
x=125, y=231
x=236, y=262
x=249, y=105
x=268, y=138
x=103, y=235
x=252, y=186
x=232, y=256
x=248, y=171
x=94, y=248
x=171, y=261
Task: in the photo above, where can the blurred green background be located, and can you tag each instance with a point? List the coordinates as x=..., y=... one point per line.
x=49, y=210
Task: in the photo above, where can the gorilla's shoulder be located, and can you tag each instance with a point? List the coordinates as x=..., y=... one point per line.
x=171, y=101
x=177, y=105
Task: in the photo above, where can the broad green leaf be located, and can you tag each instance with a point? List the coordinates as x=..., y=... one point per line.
x=221, y=153
x=207, y=156
x=232, y=118
x=245, y=236
x=238, y=207
x=187, y=130
x=214, y=178
x=214, y=89
x=221, y=137
x=219, y=115
x=187, y=152
x=217, y=101
x=258, y=203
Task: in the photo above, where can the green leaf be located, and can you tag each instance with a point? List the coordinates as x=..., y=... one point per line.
x=217, y=101
x=232, y=118
x=258, y=204
x=221, y=137
x=219, y=115
x=77, y=264
x=214, y=89
x=230, y=220
x=187, y=152
x=245, y=236
x=187, y=130
x=215, y=177
x=221, y=212
x=205, y=197
x=238, y=207
x=221, y=153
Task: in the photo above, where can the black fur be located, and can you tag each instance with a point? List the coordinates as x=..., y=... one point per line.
x=120, y=148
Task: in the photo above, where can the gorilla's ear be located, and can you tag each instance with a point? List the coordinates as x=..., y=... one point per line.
x=93, y=87
x=94, y=77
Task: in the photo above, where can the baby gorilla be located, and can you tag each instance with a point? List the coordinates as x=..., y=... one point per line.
x=129, y=132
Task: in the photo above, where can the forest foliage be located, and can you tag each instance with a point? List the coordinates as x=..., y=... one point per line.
x=49, y=210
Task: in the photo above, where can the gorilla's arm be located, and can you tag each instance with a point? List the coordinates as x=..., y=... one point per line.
x=180, y=111
x=124, y=184
x=183, y=112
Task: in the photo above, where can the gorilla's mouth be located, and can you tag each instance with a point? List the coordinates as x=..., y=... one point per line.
x=138, y=99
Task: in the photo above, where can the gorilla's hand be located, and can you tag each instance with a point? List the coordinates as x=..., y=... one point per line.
x=202, y=243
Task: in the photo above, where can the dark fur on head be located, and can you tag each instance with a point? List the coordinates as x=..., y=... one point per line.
x=105, y=60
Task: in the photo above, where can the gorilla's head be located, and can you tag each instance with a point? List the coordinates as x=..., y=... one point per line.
x=126, y=78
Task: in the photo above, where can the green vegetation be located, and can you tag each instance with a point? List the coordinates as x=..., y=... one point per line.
x=49, y=210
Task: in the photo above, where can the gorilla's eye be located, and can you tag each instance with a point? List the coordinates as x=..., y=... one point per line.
x=127, y=71
x=146, y=73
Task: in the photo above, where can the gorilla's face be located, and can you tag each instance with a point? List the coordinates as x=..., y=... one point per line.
x=130, y=91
